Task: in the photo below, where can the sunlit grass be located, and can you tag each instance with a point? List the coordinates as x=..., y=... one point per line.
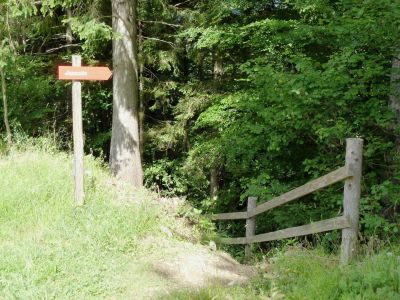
x=52, y=249
x=313, y=274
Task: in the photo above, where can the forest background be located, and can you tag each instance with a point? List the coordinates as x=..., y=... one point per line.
x=237, y=97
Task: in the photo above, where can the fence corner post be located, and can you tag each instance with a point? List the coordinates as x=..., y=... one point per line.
x=250, y=225
x=351, y=200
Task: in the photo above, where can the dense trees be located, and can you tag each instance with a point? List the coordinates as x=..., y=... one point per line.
x=225, y=98
x=299, y=78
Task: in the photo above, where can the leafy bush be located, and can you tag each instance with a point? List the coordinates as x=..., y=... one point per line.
x=166, y=177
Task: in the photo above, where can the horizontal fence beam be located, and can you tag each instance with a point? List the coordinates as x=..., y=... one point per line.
x=321, y=226
x=312, y=186
x=230, y=216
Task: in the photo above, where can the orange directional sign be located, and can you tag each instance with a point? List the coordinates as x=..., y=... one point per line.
x=83, y=73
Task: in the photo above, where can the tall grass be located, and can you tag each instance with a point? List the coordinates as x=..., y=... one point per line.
x=316, y=275
x=51, y=249
x=303, y=274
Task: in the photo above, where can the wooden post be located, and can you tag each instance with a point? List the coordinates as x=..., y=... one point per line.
x=351, y=199
x=250, y=225
x=78, y=135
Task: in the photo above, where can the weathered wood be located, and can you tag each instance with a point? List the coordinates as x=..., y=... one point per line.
x=312, y=186
x=230, y=216
x=78, y=135
x=351, y=199
x=321, y=226
x=5, y=106
x=250, y=225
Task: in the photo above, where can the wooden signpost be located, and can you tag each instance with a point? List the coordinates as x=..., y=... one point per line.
x=83, y=73
x=76, y=73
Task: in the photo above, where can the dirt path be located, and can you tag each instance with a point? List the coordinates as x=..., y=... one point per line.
x=182, y=265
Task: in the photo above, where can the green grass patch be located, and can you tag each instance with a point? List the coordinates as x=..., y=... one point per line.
x=313, y=274
x=52, y=249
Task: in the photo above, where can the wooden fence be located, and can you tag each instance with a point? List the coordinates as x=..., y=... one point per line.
x=350, y=173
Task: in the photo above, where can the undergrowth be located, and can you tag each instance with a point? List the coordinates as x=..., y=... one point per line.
x=316, y=275
x=312, y=274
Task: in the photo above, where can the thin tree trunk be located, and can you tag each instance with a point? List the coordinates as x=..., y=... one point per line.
x=394, y=98
x=200, y=66
x=214, y=172
x=141, y=95
x=68, y=33
x=125, y=160
x=5, y=106
x=10, y=39
x=214, y=183
x=218, y=67
x=141, y=110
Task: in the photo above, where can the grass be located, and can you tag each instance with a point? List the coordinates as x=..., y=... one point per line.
x=52, y=249
x=315, y=275
x=312, y=274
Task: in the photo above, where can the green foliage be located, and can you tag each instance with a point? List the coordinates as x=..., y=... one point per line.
x=298, y=83
x=95, y=34
x=264, y=92
x=166, y=178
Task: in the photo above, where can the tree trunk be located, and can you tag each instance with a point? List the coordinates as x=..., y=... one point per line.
x=68, y=33
x=141, y=95
x=5, y=106
x=141, y=110
x=125, y=160
x=214, y=172
x=394, y=98
x=200, y=66
x=214, y=183
x=218, y=67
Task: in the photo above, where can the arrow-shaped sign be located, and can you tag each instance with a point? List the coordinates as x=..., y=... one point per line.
x=83, y=73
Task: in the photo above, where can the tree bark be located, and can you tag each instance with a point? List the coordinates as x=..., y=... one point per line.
x=218, y=72
x=68, y=33
x=5, y=106
x=200, y=66
x=141, y=95
x=125, y=159
x=214, y=183
x=141, y=110
x=394, y=98
x=218, y=67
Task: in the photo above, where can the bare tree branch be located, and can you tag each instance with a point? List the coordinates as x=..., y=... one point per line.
x=62, y=47
x=161, y=22
x=159, y=40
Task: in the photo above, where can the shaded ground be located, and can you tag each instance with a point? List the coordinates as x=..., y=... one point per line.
x=182, y=266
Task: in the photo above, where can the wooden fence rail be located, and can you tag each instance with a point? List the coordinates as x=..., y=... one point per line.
x=351, y=173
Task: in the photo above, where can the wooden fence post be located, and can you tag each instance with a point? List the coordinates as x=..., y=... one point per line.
x=250, y=225
x=351, y=199
x=78, y=135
